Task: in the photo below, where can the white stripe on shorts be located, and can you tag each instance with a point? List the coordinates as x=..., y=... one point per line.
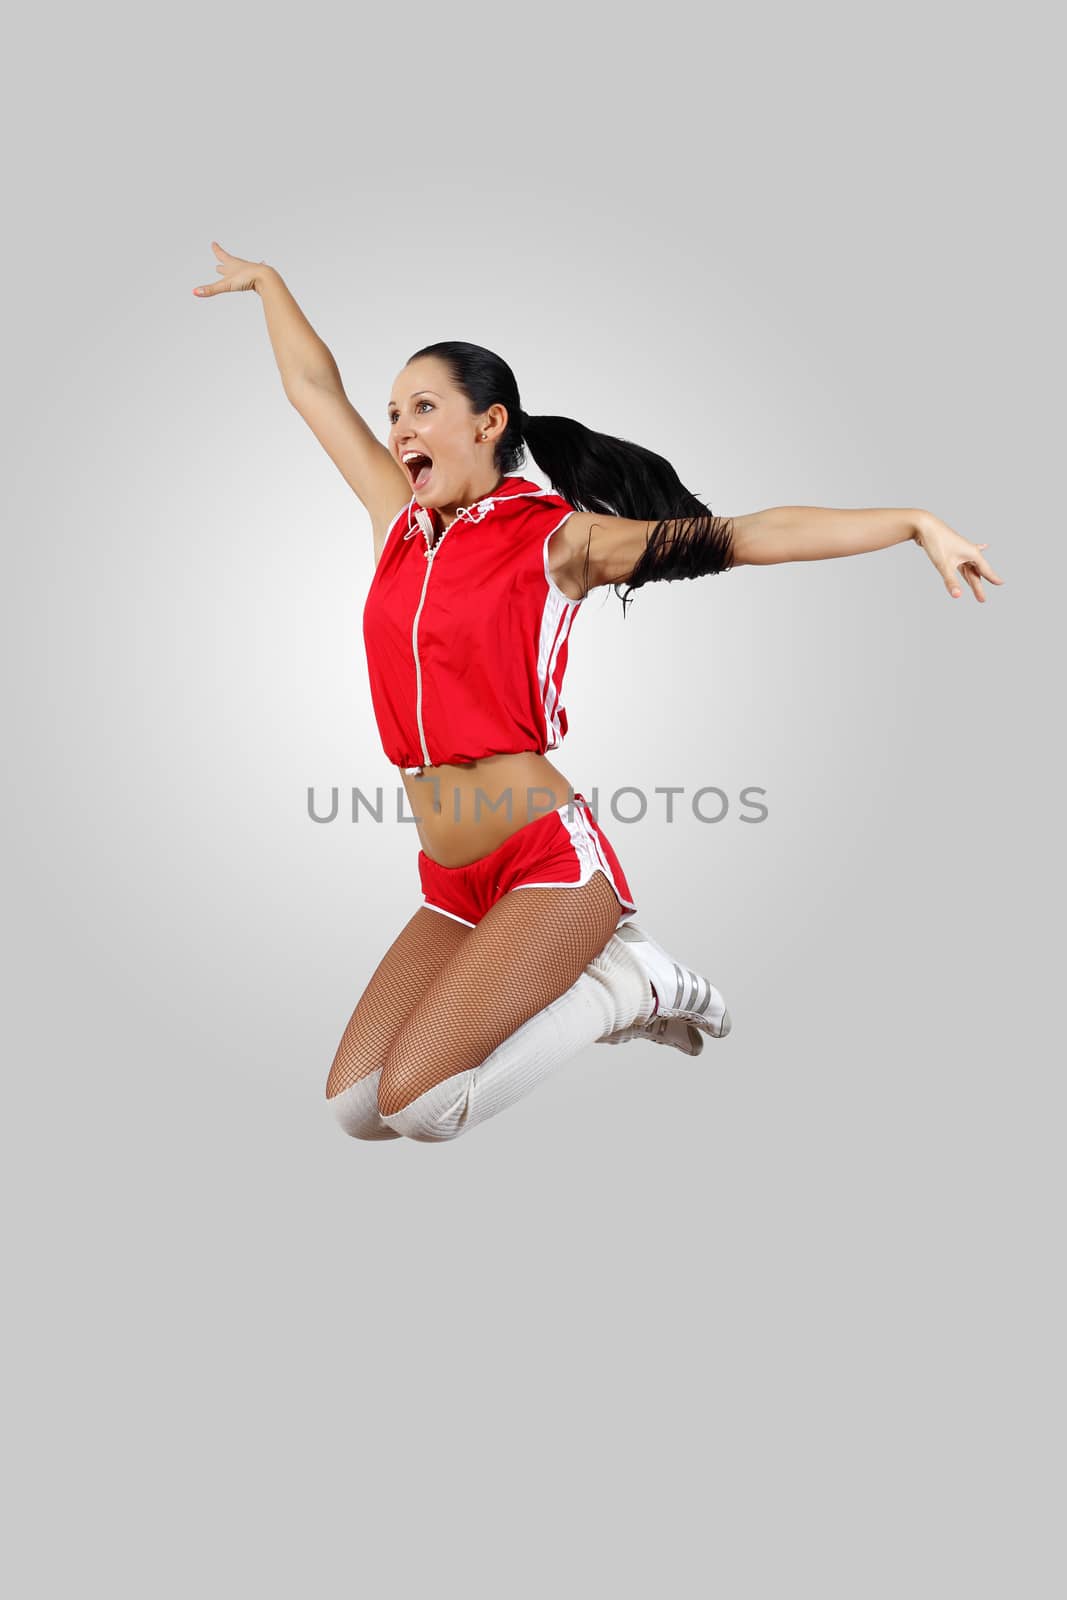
x=591, y=857
x=430, y=907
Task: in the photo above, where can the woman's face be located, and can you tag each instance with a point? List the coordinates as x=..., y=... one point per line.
x=428, y=414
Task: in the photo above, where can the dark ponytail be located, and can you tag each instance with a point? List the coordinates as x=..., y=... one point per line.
x=597, y=472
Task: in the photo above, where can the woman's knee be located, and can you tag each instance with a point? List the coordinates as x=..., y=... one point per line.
x=401, y=1081
x=408, y=967
x=341, y=1077
x=356, y=1058
x=356, y=1109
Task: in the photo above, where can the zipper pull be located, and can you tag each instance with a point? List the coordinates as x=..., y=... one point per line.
x=422, y=517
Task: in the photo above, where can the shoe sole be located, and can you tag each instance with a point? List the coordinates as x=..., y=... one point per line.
x=693, y=1037
x=656, y=1029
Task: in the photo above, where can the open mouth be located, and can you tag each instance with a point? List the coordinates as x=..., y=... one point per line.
x=418, y=468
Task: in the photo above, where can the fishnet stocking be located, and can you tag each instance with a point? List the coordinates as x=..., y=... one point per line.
x=528, y=949
x=417, y=953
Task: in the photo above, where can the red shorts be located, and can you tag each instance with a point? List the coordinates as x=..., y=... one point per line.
x=559, y=850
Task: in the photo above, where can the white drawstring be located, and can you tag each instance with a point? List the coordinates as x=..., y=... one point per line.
x=474, y=513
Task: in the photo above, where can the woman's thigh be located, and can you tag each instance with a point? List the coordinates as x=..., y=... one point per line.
x=413, y=960
x=527, y=950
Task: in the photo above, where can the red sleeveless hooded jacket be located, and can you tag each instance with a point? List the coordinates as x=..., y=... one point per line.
x=466, y=639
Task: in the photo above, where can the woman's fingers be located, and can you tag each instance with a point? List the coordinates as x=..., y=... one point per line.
x=971, y=574
x=952, y=584
x=235, y=273
x=973, y=569
x=984, y=568
x=956, y=558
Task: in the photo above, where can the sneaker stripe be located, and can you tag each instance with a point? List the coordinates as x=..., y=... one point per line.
x=693, y=992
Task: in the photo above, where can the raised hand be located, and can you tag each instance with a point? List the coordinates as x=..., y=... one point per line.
x=950, y=553
x=236, y=273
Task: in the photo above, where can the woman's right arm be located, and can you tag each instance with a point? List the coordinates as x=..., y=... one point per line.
x=312, y=384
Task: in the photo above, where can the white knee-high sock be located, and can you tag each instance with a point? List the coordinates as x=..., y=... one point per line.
x=611, y=993
x=356, y=1109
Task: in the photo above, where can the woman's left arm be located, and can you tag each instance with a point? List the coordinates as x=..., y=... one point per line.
x=817, y=533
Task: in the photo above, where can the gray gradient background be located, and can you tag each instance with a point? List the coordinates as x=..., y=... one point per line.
x=778, y=1321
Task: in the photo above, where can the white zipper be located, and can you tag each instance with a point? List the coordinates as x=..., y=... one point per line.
x=430, y=552
x=473, y=513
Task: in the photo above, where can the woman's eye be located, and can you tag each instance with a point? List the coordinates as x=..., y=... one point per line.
x=394, y=414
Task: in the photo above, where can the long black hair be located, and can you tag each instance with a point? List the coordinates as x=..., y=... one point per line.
x=596, y=472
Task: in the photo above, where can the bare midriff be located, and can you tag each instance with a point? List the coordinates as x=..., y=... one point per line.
x=464, y=812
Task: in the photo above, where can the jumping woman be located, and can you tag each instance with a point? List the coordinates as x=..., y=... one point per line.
x=524, y=949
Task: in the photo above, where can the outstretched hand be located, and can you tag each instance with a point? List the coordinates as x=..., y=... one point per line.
x=236, y=273
x=950, y=553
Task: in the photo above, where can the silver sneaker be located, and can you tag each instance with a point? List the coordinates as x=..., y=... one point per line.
x=684, y=995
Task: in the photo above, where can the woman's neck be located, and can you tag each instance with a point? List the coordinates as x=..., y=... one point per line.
x=448, y=514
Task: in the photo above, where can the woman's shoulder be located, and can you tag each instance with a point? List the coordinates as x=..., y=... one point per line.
x=529, y=502
x=542, y=529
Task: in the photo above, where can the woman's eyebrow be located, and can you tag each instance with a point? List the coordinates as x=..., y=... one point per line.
x=415, y=396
